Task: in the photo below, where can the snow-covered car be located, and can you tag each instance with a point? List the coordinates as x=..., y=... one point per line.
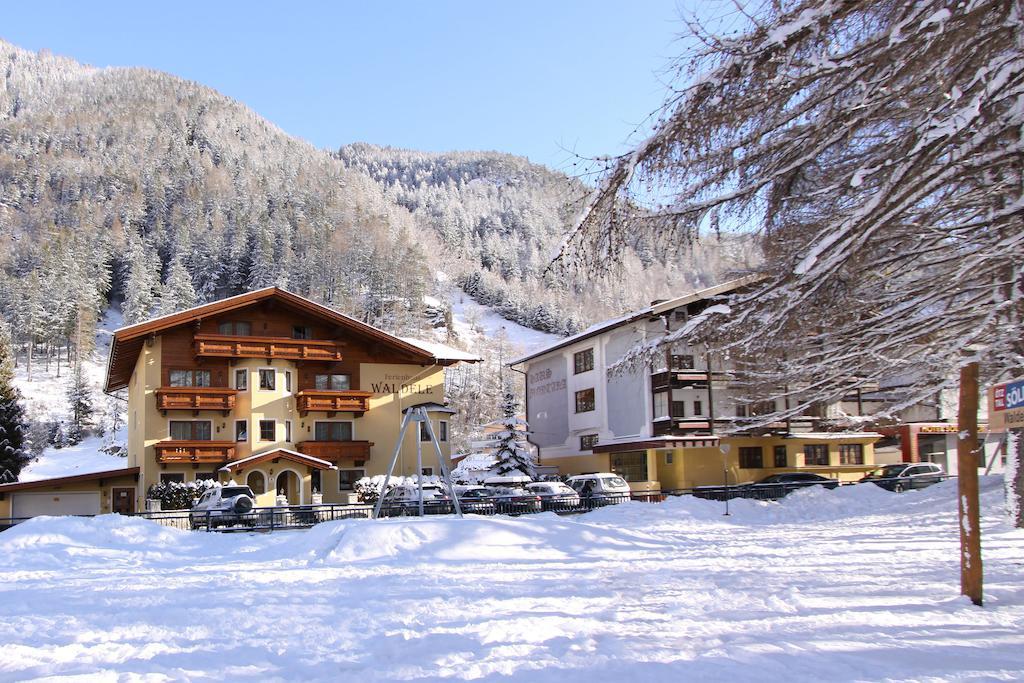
x=514, y=500
x=600, y=488
x=223, y=506
x=405, y=500
x=476, y=499
x=779, y=485
x=905, y=476
x=554, y=495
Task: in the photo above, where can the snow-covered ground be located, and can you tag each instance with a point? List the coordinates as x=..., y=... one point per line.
x=83, y=458
x=472, y=320
x=853, y=584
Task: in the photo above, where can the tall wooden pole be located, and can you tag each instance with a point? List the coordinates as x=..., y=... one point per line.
x=967, y=477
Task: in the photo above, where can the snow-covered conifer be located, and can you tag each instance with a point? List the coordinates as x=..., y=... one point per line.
x=12, y=416
x=512, y=453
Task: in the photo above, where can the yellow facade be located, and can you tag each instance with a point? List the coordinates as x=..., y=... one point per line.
x=683, y=468
x=394, y=388
x=104, y=487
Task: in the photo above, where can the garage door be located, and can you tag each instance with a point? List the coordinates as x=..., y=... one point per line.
x=57, y=503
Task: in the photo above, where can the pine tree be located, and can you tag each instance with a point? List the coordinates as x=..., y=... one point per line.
x=12, y=417
x=141, y=283
x=80, y=404
x=511, y=453
x=177, y=293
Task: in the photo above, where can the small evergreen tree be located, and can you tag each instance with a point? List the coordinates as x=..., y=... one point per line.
x=12, y=416
x=511, y=453
x=80, y=400
x=177, y=293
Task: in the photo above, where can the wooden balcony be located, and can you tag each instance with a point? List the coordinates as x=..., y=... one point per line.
x=191, y=452
x=196, y=398
x=679, y=379
x=681, y=425
x=334, y=451
x=232, y=346
x=315, y=400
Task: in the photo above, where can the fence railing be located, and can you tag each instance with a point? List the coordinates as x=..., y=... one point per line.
x=305, y=516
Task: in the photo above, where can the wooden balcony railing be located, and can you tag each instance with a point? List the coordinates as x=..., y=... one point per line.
x=233, y=346
x=679, y=379
x=336, y=450
x=168, y=452
x=315, y=400
x=196, y=398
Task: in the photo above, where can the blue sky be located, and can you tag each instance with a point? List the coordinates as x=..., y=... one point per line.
x=530, y=78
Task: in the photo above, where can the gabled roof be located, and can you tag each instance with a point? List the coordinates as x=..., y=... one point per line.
x=128, y=341
x=278, y=453
x=647, y=312
x=60, y=481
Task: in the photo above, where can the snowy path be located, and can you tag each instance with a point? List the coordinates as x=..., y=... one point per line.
x=856, y=584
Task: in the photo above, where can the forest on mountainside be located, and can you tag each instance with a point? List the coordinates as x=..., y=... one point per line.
x=133, y=188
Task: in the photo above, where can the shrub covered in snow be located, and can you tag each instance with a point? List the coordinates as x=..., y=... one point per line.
x=369, y=488
x=175, y=495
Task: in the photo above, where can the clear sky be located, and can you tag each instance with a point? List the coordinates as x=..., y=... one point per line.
x=526, y=77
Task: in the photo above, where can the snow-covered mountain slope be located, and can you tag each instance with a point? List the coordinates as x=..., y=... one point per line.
x=864, y=589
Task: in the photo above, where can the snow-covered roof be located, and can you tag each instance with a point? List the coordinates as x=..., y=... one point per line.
x=441, y=351
x=833, y=436
x=647, y=312
x=431, y=408
x=278, y=453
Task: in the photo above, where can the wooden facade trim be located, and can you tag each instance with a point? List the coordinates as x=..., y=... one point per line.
x=174, y=452
x=232, y=346
x=334, y=451
x=318, y=400
x=196, y=398
x=274, y=456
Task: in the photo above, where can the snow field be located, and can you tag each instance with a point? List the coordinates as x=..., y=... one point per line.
x=853, y=584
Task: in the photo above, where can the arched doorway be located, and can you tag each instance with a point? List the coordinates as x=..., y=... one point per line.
x=288, y=484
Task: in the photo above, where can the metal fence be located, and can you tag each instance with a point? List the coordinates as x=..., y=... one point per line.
x=305, y=516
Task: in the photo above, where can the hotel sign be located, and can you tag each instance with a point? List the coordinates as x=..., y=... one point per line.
x=1006, y=405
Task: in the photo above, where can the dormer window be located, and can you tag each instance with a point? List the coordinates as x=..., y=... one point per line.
x=301, y=332
x=237, y=328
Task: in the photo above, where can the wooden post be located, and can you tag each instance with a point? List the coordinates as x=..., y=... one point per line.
x=967, y=478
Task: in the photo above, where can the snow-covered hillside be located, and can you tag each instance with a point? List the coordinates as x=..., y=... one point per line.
x=853, y=584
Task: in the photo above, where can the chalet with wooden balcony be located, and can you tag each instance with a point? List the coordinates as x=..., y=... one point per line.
x=674, y=421
x=273, y=390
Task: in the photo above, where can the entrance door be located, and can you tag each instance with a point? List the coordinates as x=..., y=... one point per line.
x=123, y=500
x=288, y=485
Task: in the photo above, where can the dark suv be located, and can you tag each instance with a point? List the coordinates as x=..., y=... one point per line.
x=906, y=475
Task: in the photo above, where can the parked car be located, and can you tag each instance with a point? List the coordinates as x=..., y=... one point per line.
x=476, y=499
x=405, y=500
x=554, y=495
x=514, y=500
x=224, y=506
x=600, y=488
x=907, y=475
x=778, y=485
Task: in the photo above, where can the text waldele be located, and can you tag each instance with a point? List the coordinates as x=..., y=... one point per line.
x=394, y=387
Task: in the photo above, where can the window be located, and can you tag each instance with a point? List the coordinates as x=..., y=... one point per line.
x=678, y=408
x=333, y=382
x=242, y=380
x=424, y=434
x=682, y=362
x=780, y=456
x=206, y=476
x=288, y=431
x=268, y=379
x=428, y=471
x=585, y=401
x=348, y=478
x=661, y=405
x=698, y=408
x=668, y=458
x=183, y=430
x=816, y=454
x=241, y=430
x=583, y=361
x=288, y=381
x=314, y=482
x=301, y=332
x=257, y=482
x=333, y=431
x=681, y=315
x=442, y=431
x=268, y=430
x=190, y=378
x=168, y=477
x=587, y=442
x=851, y=454
x=631, y=466
x=751, y=458
x=236, y=328
x=741, y=410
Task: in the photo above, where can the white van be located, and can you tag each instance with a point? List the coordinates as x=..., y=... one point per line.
x=600, y=484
